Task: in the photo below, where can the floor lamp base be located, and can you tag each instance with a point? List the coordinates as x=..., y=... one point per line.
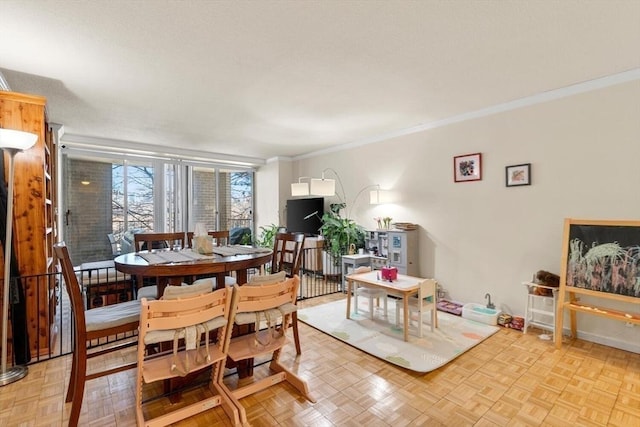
x=12, y=375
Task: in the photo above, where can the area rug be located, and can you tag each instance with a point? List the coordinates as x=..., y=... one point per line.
x=381, y=338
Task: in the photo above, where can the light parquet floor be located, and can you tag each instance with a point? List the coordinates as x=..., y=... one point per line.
x=510, y=379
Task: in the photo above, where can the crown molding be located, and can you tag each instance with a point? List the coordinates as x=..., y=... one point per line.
x=551, y=95
x=149, y=150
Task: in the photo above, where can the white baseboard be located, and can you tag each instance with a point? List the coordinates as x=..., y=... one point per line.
x=615, y=342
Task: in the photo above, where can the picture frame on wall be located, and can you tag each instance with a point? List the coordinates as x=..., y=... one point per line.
x=518, y=175
x=467, y=167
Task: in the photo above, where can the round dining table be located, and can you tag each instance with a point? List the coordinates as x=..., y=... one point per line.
x=176, y=271
x=237, y=259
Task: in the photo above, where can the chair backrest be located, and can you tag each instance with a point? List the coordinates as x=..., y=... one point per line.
x=73, y=288
x=220, y=237
x=148, y=241
x=115, y=246
x=248, y=299
x=427, y=289
x=171, y=314
x=287, y=253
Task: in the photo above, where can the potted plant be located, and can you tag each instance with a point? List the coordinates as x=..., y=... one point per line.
x=267, y=236
x=340, y=232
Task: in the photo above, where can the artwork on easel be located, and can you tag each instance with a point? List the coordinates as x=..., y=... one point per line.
x=605, y=258
x=601, y=261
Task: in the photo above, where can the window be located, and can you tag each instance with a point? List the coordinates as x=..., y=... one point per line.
x=132, y=198
x=146, y=194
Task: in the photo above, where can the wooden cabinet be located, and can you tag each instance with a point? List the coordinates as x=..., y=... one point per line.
x=33, y=213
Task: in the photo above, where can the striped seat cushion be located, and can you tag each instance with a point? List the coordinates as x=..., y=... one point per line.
x=112, y=315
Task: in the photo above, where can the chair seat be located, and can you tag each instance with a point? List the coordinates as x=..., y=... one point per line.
x=413, y=300
x=112, y=315
x=288, y=308
x=372, y=293
x=99, y=272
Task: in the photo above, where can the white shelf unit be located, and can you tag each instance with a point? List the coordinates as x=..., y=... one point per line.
x=541, y=309
x=395, y=248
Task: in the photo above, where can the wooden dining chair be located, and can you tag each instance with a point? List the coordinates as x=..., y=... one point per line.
x=424, y=300
x=259, y=305
x=148, y=241
x=287, y=257
x=220, y=237
x=193, y=322
x=90, y=325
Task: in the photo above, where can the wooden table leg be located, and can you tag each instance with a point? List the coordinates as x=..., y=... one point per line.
x=405, y=303
x=349, y=298
x=241, y=276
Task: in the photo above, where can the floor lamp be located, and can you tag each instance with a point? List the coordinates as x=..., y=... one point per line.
x=11, y=141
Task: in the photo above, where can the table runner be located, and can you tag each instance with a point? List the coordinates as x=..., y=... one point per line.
x=238, y=250
x=186, y=255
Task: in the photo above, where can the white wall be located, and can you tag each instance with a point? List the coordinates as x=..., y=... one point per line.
x=272, y=191
x=479, y=237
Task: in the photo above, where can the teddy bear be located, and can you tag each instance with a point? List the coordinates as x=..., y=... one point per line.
x=545, y=278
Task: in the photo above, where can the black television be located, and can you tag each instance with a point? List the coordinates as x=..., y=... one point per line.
x=305, y=215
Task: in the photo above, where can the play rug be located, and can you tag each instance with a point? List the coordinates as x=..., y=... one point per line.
x=381, y=338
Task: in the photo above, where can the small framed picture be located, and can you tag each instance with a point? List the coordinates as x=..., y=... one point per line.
x=517, y=175
x=467, y=167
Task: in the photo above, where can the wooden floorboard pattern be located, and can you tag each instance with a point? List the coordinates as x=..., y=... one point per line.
x=510, y=379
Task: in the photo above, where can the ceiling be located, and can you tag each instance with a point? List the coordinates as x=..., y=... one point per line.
x=268, y=79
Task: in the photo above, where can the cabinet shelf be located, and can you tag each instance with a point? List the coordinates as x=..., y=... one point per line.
x=540, y=317
x=34, y=213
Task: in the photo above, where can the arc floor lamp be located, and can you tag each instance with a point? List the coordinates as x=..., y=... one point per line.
x=11, y=141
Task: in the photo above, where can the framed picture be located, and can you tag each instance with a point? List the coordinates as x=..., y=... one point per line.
x=467, y=167
x=517, y=175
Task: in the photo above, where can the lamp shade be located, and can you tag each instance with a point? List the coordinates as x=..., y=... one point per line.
x=300, y=189
x=17, y=139
x=379, y=197
x=374, y=197
x=323, y=187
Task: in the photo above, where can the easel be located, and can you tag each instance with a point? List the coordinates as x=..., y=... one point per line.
x=616, y=242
